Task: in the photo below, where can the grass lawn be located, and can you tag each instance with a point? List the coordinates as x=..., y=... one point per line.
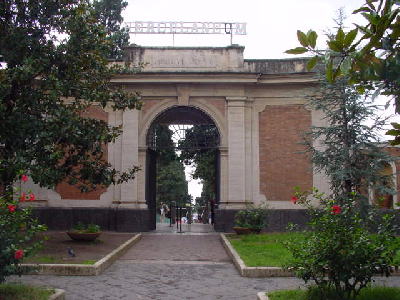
x=267, y=250
x=259, y=250
x=374, y=293
x=19, y=291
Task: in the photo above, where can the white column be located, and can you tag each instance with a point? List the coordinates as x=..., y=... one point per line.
x=223, y=152
x=237, y=152
x=249, y=154
x=320, y=179
x=141, y=179
x=130, y=156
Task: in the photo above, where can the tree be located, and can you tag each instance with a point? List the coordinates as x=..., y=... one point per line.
x=171, y=184
x=367, y=55
x=164, y=145
x=202, y=156
x=348, y=148
x=56, y=69
x=108, y=12
x=171, y=180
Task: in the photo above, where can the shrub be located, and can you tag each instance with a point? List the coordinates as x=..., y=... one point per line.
x=17, y=229
x=341, y=253
x=89, y=228
x=254, y=217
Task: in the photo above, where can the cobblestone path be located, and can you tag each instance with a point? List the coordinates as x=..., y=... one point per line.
x=168, y=247
x=170, y=267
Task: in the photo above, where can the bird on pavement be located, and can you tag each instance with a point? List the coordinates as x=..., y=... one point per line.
x=71, y=252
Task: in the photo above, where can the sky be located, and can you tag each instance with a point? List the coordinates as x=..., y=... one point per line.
x=271, y=25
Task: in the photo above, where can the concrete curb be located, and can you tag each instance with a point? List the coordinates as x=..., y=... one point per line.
x=58, y=295
x=262, y=296
x=263, y=272
x=253, y=272
x=80, y=269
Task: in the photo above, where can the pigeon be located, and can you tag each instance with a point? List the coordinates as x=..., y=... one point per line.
x=71, y=252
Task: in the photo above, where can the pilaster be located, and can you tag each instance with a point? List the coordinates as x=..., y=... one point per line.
x=130, y=156
x=237, y=151
x=320, y=179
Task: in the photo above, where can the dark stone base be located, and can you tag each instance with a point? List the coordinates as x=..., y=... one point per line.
x=278, y=219
x=113, y=219
x=140, y=220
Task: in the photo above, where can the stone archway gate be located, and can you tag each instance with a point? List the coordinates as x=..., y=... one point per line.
x=258, y=107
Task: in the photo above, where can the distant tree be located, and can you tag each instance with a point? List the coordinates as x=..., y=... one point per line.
x=202, y=156
x=164, y=146
x=108, y=13
x=171, y=184
x=56, y=67
x=171, y=181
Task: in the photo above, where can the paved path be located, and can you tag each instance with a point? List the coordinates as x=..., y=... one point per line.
x=178, y=248
x=167, y=281
x=170, y=267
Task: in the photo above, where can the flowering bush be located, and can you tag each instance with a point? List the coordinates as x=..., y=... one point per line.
x=17, y=230
x=340, y=252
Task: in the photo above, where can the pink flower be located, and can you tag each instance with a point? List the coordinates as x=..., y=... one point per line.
x=336, y=209
x=11, y=207
x=32, y=197
x=19, y=254
x=23, y=197
x=24, y=178
x=294, y=199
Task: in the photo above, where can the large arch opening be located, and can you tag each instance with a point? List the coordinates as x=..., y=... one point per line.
x=182, y=143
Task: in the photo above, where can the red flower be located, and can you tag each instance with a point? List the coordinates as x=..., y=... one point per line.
x=32, y=197
x=23, y=197
x=11, y=207
x=24, y=178
x=336, y=209
x=294, y=199
x=19, y=254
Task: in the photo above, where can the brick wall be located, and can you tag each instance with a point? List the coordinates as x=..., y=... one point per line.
x=71, y=192
x=281, y=166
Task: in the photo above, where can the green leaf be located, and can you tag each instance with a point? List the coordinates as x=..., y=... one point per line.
x=372, y=18
x=312, y=62
x=393, y=132
x=340, y=36
x=312, y=38
x=297, y=50
x=350, y=36
x=366, y=9
x=329, y=71
x=345, y=66
x=395, y=125
x=360, y=89
x=302, y=37
x=369, y=3
x=335, y=46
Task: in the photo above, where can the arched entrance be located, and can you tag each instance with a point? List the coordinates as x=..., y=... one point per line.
x=188, y=135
